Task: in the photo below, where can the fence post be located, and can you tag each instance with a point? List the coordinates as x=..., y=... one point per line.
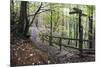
x=60, y=43
x=42, y=38
x=50, y=40
x=68, y=42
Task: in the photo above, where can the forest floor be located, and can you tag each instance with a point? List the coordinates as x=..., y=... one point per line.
x=66, y=55
x=23, y=52
x=27, y=52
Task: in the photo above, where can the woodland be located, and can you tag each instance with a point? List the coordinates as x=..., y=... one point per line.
x=51, y=33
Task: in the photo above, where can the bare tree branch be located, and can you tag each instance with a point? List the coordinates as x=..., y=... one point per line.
x=35, y=14
x=40, y=12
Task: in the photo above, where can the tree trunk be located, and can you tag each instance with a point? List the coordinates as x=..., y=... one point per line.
x=50, y=40
x=23, y=21
x=90, y=30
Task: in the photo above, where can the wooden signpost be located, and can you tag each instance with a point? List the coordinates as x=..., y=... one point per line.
x=79, y=12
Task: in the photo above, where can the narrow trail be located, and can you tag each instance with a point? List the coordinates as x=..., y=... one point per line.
x=66, y=55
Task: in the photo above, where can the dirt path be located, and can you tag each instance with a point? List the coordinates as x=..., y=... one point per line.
x=66, y=55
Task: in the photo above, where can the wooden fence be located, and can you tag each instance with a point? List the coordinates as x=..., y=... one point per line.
x=60, y=44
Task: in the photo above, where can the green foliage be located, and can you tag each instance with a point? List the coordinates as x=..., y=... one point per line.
x=62, y=21
x=90, y=9
x=31, y=7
